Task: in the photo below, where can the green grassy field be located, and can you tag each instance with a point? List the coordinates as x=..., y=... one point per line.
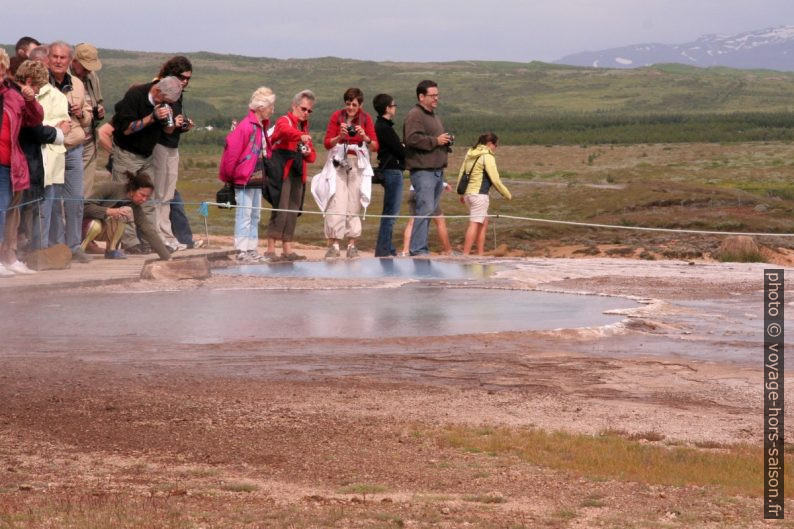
x=700, y=186
x=528, y=103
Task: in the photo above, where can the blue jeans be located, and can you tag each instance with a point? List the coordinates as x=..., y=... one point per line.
x=246, y=218
x=5, y=196
x=428, y=186
x=41, y=217
x=180, y=226
x=70, y=208
x=393, y=194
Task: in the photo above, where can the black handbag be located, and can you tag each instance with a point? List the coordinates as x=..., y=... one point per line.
x=463, y=183
x=377, y=176
x=225, y=195
x=377, y=172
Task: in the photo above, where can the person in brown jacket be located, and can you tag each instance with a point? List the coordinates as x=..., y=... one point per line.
x=426, y=147
x=85, y=65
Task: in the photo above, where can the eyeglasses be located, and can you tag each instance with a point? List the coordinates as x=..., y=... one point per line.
x=432, y=95
x=307, y=110
x=393, y=105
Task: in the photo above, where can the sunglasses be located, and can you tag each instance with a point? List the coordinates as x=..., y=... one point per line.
x=307, y=110
x=183, y=77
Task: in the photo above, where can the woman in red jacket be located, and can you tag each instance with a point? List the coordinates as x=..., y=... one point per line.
x=20, y=109
x=286, y=183
x=352, y=128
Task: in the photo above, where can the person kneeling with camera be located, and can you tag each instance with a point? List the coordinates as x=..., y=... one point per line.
x=112, y=206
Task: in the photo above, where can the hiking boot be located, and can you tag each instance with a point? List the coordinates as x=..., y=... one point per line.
x=352, y=252
x=18, y=267
x=292, y=256
x=332, y=253
x=115, y=254
x=80, y=256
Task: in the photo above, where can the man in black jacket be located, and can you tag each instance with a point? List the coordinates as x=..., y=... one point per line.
x=140, y=117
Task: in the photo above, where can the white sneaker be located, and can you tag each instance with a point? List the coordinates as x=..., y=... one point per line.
x=175, y=246
x=18, y=267
x=5, y=272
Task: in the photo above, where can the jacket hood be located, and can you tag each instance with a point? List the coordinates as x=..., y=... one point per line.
x=476, y=152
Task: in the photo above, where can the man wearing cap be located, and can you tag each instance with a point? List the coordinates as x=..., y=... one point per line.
x=85, y=65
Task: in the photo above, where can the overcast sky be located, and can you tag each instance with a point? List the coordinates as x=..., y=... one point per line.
x=410, y=30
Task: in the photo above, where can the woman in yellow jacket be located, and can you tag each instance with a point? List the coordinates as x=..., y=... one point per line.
x=480, y=164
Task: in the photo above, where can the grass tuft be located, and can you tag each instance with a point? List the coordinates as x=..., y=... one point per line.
x=734, y=470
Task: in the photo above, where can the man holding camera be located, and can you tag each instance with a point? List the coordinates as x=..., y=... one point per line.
x=139, y=119
x=84, y=66
x=426, y=149
x=70, y=230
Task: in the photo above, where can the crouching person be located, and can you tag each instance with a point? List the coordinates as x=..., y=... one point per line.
x=111, y=206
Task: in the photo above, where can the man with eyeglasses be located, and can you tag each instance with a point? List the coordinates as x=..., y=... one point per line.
x=84, y=66
x=426, y=148
x=292, y=151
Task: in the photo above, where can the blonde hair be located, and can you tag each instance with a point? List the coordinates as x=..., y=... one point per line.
x=33, y=70
x=5, y=62
x=262, y=97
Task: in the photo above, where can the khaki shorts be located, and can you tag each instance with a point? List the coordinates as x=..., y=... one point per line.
x=478, y=207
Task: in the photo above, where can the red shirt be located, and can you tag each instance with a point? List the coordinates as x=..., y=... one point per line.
x=5, y=141
x=362, y=118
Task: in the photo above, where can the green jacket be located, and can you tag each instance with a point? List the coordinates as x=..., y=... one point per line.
x=477, y=159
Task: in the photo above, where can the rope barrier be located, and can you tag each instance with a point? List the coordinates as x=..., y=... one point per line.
x=23, y=204
x=528, y=219
x=203, y=210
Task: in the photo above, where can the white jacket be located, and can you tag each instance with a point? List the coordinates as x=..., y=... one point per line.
x=324, y=184
x=53, y=155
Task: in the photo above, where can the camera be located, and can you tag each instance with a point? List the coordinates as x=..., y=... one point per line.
x=185, y=123
x=451, y=141
x=351, y=130
x=95, y=113
x=303, y=148
x=168, y=121
x=343, y=163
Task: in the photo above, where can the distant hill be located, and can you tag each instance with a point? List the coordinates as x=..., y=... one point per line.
x=771, y=48
x=531, y=102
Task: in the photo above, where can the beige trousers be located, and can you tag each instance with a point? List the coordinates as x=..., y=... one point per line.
x=341, y=217
x=89, y=167
x=166, y=169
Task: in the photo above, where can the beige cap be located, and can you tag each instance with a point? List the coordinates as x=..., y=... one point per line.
x=88, y=57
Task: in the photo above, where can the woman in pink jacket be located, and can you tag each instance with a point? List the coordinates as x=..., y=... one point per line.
x=243, y=166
